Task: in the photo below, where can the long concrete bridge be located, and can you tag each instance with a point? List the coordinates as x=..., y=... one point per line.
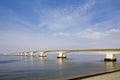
x=110, y=53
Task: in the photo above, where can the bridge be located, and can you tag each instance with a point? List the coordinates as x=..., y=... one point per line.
x=110, y=53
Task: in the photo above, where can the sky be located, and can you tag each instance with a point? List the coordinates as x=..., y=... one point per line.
x=27, y=25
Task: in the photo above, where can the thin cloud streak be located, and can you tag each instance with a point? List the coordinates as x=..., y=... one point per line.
x=89, y=34
x=58, y=20
x=61, y=34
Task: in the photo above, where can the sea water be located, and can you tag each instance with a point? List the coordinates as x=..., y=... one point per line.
x=50, y=68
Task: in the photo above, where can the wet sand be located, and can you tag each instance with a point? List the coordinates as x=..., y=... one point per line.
x=109, y=76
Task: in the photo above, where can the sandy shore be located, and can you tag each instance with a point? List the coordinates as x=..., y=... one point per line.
x=109, y=76
x=112, y=75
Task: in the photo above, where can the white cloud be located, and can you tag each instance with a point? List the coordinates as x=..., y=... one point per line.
x=57, y=20
x=61, y=34
x=87, y=6
x=95, y=34
x=113, y=31
x=90, y=34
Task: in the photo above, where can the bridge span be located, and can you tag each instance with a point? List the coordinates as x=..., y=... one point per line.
x=110, y=53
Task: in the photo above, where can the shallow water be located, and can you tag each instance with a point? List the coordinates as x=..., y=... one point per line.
x=51, y=68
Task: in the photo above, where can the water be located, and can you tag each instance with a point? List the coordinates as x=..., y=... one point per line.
x=51, y=68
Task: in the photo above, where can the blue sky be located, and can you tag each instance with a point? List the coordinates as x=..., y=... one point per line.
x=27, y=25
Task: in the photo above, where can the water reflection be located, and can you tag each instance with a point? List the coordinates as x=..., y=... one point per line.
x=45, y=68
x=110, y=65
x=32, y=58
x=61, y=61
x=42, y=59
x=25, y=58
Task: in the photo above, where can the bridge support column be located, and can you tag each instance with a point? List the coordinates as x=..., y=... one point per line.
x=18, y=53
x=25, y=53
x=110, y=57
x=61, y=55
x=42, y=54
x=21, y=53
x=32, y=54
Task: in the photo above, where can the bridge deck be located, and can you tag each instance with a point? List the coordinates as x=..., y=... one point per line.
x=81, y=50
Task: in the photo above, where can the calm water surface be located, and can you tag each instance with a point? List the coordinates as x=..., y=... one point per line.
x=51, y=68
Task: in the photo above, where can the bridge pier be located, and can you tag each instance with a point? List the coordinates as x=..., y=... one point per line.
x=25, y=53
x=110, y=57
x=61, y=55
x=42, y=54
x=21, y=53
x=32, y=54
